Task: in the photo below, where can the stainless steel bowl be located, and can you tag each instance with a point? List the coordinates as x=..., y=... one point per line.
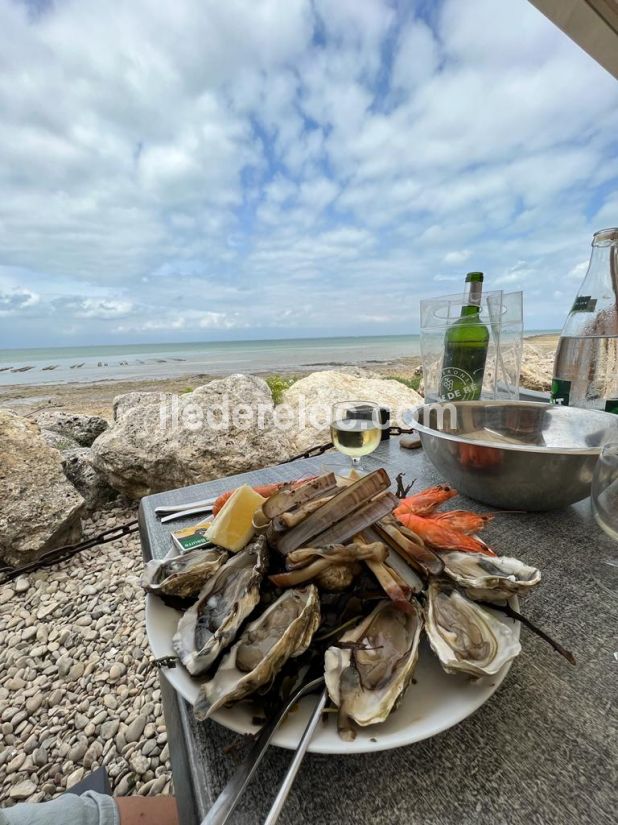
x=515, y=454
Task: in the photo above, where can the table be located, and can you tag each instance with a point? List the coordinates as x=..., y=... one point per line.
x=542, y=750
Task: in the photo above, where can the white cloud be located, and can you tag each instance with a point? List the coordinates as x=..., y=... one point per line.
x=199, y=168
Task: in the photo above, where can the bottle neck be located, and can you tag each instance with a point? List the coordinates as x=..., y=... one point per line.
x=470, y=310
x=473, y=302
x=602, y=275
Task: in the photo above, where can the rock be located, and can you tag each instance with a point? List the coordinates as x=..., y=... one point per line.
x=34, y=703
x=109, y=729
x=40, y=507
x=6, y=594
x=80, y=428
x=75, y=777
x=116, y=671
x=22, y=584
x=57, y=441
x=139, y=763
x=135, y=729
x=310, y=401
x=536, y=369
x=22, y=790
x=78, y=750
x=122, y=404
x=221, y=428
x=87, y=480
x=39, y=757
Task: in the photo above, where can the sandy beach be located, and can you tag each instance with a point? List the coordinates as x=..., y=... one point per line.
x=96, y=397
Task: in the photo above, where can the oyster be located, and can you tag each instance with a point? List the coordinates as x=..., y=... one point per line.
x=225, y=601
x=466, y=637
x=489, y=578
x=284, y=630
x=184, y=575
x=368, y=671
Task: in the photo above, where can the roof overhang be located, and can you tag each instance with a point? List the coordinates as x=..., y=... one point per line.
x=592, y=24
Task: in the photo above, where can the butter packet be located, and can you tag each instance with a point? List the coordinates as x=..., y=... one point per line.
x=192, y=538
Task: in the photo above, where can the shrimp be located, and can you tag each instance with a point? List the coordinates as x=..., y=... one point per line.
x=443, y=538
x=463, y=520
x=265, y=490
x=425, y=502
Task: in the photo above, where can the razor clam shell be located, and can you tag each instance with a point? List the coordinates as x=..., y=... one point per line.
x=455, y=642
x=283, y=500
x=344, y=503
x=488, y=578
x=237, y=584
x=371, y=705
x=229, y=684
x=184, y=575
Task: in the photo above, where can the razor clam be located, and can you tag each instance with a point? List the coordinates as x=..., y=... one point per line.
x=226, y=600
x=337, y=508
x=183, y=575
x=489, y=578
x=369, y=669
x=466, y=637
x=285, y=629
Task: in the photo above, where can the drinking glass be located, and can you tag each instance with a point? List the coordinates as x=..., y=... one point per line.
x=355, y=429
x=605, y=490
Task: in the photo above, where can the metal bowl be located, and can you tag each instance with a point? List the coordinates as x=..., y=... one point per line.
x=516, y=455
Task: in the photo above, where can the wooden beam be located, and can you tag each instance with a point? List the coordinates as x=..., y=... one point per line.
x=592, y=24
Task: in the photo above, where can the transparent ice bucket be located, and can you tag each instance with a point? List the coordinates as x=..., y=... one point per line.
x=502, y=314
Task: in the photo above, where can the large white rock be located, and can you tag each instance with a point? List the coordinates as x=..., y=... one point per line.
x=159, y=443
x=310, y=400
x=39, y=508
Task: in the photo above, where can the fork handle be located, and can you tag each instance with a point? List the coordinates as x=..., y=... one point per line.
x=288, y=781
x=229, y=797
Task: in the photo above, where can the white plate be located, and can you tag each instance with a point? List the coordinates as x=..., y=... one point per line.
x=432, y=704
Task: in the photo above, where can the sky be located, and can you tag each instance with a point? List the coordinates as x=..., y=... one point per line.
x=205, y=170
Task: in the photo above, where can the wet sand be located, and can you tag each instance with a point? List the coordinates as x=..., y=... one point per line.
x=96, y=398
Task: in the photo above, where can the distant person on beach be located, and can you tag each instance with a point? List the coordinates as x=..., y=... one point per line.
x=93, y=808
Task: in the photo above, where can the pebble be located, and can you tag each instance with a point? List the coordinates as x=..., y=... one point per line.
x=116, y=671
x=22, y=790
x=6, y=596
x=109, y=729
x=75, y=777
x=135, y=729
x=34, y=703
x=77, y=690
x=78, y=750
x=21, y=584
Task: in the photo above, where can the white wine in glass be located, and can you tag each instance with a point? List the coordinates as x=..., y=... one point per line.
x=355, y=429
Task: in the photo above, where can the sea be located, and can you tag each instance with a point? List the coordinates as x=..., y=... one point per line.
x=60, y=365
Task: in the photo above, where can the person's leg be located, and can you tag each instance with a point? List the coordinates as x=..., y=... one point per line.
x=147, y=810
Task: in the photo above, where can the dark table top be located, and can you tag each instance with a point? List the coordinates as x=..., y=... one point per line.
x=542, y=750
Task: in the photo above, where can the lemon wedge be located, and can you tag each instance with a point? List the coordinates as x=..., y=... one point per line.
x=233, y=524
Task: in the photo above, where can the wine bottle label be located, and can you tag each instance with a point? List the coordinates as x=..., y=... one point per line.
x=458, y=385
x=560, y=391
x=611, y=405
x=584, y=303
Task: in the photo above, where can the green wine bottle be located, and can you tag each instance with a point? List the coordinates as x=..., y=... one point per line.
x=465, y=348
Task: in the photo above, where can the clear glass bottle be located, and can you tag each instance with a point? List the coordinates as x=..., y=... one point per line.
x=586, y=365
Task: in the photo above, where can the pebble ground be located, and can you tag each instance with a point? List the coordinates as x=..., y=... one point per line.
x=77, y=685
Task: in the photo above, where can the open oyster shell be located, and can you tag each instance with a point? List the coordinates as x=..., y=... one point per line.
x=226, y=600
x=183, y=575
x=466, y=637
x=284, y=630
x=367, y=681
x=488, y=578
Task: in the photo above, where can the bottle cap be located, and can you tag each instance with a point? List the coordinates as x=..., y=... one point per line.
x=474, y=277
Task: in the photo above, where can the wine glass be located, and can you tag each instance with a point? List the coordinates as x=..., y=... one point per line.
x=605, y=490
x=356, y=429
